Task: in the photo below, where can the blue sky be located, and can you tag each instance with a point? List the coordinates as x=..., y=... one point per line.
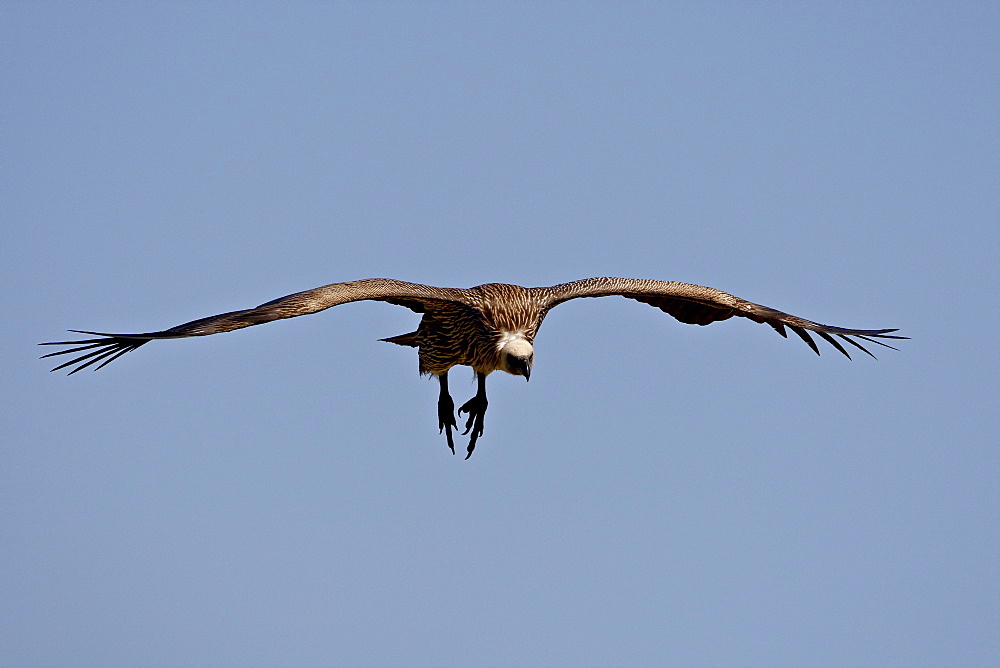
x=658, y=493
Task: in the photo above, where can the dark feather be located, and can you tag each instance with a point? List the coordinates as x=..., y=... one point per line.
x=834, y=343
x=857, y=345
x=804, y=335
x=107, y=349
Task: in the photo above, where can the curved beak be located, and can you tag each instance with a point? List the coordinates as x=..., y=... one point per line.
x=519, y=366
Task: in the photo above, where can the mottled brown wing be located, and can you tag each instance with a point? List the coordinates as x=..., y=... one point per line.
x=700, y=305
x=109, y=347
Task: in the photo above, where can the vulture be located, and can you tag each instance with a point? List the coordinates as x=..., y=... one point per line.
x=489, y=327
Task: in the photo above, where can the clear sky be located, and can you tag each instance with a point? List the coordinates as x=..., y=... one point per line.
x=659, y=493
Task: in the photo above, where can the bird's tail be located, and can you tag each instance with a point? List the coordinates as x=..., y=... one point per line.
x=404, y=340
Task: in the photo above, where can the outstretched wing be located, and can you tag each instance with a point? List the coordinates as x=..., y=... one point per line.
x=110, y=347
x=698, y=305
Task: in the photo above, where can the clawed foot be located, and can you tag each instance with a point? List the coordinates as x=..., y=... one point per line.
x=476, y=408
x=446, y=419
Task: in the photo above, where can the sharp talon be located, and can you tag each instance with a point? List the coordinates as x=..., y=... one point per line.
x=446, y=414
x=476, y=409
x=451, y=442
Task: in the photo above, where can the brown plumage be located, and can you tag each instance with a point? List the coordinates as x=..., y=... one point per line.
x=489, y=327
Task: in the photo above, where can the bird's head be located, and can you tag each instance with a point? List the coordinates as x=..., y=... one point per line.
x=516, y=357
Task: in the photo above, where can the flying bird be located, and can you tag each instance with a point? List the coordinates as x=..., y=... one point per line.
x=489, y=327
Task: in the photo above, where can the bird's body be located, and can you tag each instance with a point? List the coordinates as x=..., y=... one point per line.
x=474, y=331
x=489, y=327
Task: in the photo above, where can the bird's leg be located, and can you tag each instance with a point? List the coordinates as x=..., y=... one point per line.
x=446, y=411
x=476, y=408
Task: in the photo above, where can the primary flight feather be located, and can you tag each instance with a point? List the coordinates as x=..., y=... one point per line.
x=489, y=327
